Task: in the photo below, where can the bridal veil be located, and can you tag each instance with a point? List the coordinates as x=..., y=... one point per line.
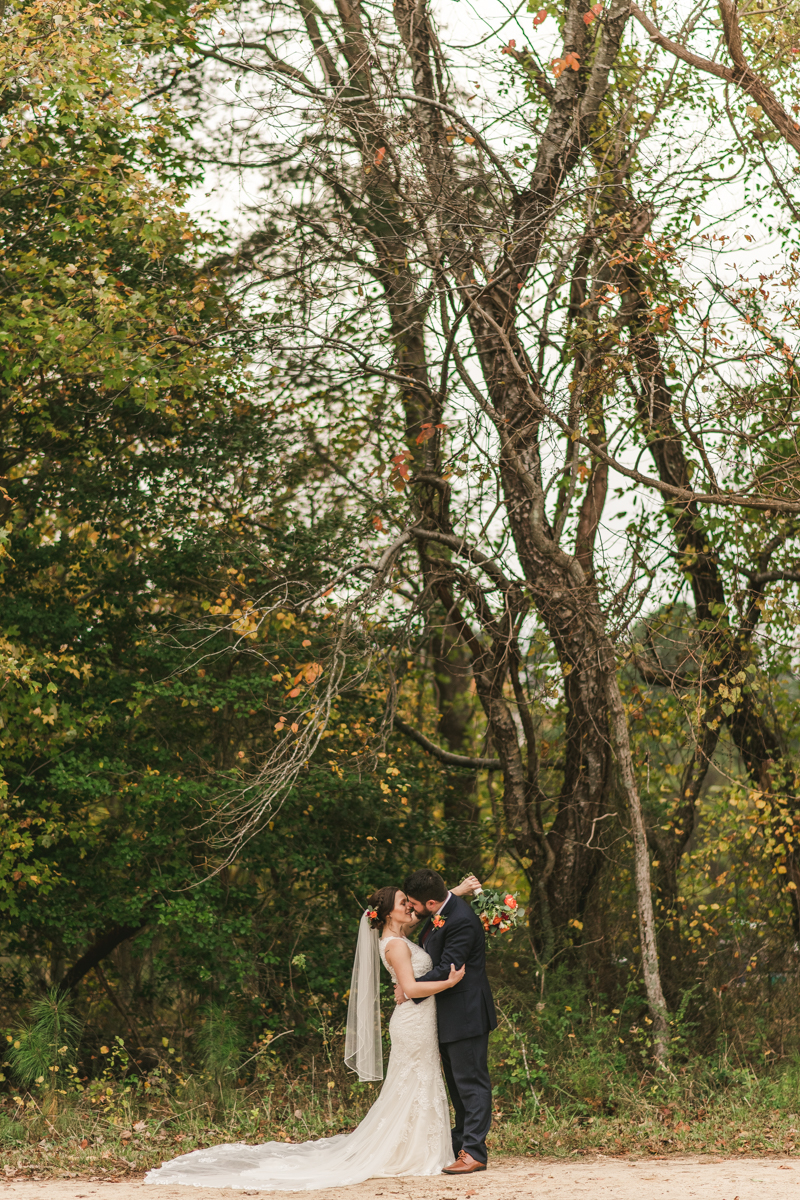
x=363, y=1052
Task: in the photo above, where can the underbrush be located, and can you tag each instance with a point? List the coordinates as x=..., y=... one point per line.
x=569, y=1078
x=128, y=1129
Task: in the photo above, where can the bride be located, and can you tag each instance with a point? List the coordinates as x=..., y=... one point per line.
x=407, y=1130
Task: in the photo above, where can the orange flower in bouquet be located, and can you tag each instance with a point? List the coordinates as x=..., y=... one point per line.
x=499, y=911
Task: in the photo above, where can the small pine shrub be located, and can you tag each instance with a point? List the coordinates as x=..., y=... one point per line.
x=220, y=1044
x=43, y=1050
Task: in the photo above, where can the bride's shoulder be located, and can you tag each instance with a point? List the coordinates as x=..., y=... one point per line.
x=394, y=945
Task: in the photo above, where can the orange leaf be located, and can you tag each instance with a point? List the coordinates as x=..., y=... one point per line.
x=593, y=12
x=509, y=48
x=379, y=156
x=540, y=16
x=399, y=474
x=427, y=431
x=377, y=523
x=559, y=65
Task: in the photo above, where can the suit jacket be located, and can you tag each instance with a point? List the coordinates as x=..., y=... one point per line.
x=467, y=1009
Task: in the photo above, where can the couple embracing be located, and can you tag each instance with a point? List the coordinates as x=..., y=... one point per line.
x=442, y=1020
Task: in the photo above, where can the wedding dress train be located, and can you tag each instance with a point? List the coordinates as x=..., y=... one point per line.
x=406, y=1132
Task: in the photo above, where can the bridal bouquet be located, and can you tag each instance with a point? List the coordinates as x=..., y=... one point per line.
x=499, y=911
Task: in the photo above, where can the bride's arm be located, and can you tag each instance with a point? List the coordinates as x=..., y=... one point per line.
x=399, y=955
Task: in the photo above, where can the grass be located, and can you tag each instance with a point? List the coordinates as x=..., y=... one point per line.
x=127, y=1133
x=569, y=1080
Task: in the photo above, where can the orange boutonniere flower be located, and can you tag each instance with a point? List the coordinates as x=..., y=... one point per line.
x=438, y=922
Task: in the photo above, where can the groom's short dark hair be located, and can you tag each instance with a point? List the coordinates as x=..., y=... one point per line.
x=425, y=885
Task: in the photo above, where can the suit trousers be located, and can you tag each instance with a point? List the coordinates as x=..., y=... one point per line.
x=467, y=1074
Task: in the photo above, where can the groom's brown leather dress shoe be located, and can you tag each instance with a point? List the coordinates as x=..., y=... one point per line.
x=465, y=1164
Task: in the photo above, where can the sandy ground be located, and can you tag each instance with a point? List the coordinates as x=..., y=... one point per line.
x=506, y=1179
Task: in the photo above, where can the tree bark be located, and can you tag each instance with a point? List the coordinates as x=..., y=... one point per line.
x=101, y=949
x=452, y=686
x=641, y=871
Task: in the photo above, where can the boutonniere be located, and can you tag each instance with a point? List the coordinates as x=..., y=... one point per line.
x=438, y=922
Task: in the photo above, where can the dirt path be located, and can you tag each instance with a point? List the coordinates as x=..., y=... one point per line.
x=507, y=1179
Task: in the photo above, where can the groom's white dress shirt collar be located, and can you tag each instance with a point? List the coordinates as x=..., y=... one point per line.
x=449, y=896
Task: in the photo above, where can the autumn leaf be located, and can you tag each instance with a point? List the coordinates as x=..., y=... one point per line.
x=559, y=65
x=427, y=431
x=662, y=313
x=540, y=16
x=377, y=523
x=593, y=12
x=379, y=156
x=509, y=49
x=399, y=474
x=309, y=673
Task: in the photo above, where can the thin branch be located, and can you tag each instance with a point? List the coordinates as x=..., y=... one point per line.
x=741, y=74
x=445, y=756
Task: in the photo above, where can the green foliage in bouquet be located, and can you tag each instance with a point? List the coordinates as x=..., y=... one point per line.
x=499, y=911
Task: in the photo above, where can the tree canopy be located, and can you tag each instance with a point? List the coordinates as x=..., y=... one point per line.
x=440, y=506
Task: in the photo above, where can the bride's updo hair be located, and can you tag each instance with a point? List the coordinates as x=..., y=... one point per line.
x=380, y=904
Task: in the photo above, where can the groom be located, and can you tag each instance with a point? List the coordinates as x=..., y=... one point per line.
x=465, y=1014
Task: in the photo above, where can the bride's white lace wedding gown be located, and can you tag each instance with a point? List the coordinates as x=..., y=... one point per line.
x=406, y=1132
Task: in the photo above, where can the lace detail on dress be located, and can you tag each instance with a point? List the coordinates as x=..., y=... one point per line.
x=406, y=1132
x=414, y=1060
x=421, y=962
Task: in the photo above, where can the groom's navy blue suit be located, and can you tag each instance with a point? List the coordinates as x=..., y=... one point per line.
x=465, y=1016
